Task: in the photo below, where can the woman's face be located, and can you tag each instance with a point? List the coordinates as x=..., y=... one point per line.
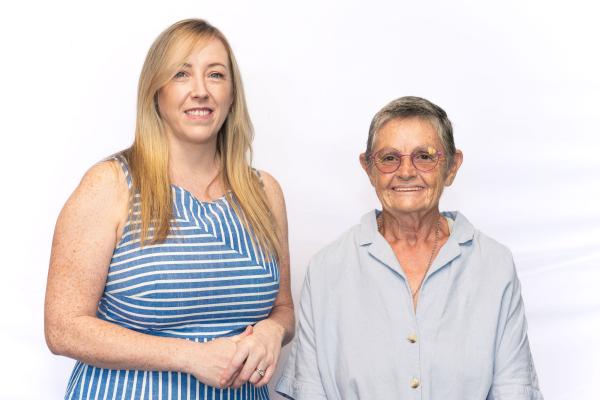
x=409, y=190
x=196, y=101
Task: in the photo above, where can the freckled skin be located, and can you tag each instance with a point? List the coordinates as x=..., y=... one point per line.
x=91, y=224
x=87, y=230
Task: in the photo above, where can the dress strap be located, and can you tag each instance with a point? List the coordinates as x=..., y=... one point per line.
x=120, y=158
x=260, y=179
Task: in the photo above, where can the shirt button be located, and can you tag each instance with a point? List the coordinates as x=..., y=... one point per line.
x=414, y=383
x=412, y=338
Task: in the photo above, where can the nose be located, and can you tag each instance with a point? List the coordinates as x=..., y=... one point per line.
x=198, y=89
x=406, y=170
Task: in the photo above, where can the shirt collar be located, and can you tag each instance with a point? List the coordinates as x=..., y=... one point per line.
x=379, y=248
x=462, y=230
x=367, y=228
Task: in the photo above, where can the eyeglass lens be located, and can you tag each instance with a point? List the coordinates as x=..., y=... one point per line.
x=389, y=161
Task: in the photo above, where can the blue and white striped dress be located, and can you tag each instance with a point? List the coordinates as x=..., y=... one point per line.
x=207, y=280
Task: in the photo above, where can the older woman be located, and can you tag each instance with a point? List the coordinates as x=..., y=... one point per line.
x=411, y=303
x=169, y=274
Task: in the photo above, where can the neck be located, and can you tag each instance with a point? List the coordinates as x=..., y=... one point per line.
x=193, y=166
x=410, y=228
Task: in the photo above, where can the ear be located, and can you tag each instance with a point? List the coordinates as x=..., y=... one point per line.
x=453, y=169
x=156, y=102
x=229, y=108
x=365, y=165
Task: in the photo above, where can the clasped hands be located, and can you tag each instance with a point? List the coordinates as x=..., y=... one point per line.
x=248, y=357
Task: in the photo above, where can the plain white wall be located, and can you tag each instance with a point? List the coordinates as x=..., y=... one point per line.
x=519, y=79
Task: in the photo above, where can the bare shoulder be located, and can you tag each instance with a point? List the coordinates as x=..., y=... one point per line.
x=101, y=197
x=274, y=193
x=276, y=201
x=105, y=179
x=84, y=240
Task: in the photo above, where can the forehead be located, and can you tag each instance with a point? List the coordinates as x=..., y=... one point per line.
x=201, y=51
x=407, y=134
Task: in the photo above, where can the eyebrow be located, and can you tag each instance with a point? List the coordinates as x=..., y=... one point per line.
x=424, y=148
x=215, y=64
x=394, y=150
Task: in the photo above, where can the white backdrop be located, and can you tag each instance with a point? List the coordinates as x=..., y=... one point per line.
x=519, y=79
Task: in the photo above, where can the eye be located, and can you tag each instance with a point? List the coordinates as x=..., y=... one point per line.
x=388, y=158
x=216, y=75
x=424, y=156
x=180, y=75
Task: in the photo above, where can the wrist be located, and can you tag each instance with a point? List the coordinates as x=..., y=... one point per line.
x=185, y=355
x=275, y=328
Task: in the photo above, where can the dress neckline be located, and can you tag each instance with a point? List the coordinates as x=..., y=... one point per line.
x=220, y=199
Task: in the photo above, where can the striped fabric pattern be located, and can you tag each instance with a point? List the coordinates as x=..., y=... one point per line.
x=207, y=280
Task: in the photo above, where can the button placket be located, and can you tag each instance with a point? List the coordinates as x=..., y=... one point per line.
x=414, y=349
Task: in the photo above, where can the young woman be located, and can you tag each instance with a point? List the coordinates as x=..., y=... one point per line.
x=169, y=273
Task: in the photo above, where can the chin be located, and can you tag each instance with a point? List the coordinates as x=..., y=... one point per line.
x=200, y=137
x=407, y=208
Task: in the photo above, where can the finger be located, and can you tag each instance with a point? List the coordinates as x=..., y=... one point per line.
x=249, y=367
x=263, y=366
x=247, y=332
x=227, y=381
x=268, y=375
x=236, y=363
x=230, y=374
x=259, y=373
x=230, y=383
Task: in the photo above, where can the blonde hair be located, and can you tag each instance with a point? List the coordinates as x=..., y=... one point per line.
x=148, y=157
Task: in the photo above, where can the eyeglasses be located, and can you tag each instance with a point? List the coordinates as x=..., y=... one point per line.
x=388, y=161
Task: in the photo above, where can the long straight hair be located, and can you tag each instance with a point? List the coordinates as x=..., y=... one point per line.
x=148, y=157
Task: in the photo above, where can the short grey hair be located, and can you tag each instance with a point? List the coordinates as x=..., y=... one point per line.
x=409, y=107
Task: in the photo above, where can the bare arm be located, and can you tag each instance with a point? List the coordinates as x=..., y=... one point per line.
x=301, y=379
x=283, y=310
x=261, y=349
x=86, y=233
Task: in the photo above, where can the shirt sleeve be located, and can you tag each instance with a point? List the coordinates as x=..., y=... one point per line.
x=514, y=373
x=301, y=379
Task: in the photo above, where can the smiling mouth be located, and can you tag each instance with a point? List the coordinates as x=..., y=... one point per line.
x=407, y=189
x=199, y=112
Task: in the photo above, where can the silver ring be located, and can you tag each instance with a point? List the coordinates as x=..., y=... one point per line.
x=261, y=372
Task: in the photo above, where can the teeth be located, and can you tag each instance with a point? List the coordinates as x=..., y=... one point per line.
x=406, y=189
x=198, y=112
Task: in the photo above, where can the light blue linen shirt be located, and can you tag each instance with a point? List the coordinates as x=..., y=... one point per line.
x=359, y=338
